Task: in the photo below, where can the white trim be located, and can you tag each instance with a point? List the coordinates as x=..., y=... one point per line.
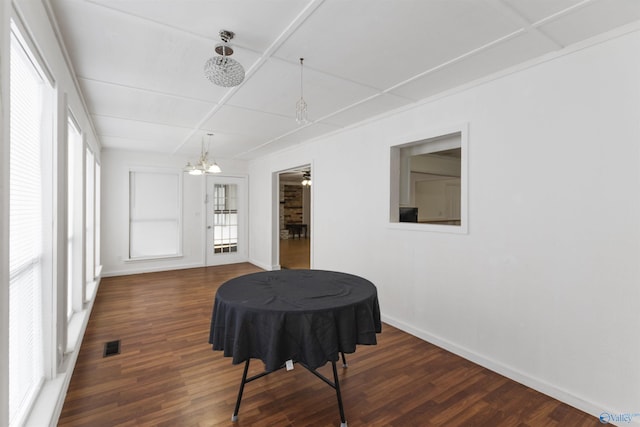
x=264, y=266
x=91, y=290
x=151, y=258
x=156, y=170
x=163, y=267
x=416, y=138
x=25, y=38
x=49, y=197
x=242, y=255
x=432, y=228
x=5, y=15
x=48, y=405
x=275, y=220
x=63, y=49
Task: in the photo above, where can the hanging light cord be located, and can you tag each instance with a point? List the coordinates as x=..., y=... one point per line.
x=301, y=105
x=301, y=69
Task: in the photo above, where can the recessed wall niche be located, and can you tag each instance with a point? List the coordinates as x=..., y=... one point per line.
x=429, y=182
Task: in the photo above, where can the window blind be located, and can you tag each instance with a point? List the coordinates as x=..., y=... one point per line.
x=25, y=233
x=154, y=214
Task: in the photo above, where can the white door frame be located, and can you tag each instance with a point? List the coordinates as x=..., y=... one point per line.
x=275, y=236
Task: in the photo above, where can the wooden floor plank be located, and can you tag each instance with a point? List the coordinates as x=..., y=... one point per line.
x=167, y=374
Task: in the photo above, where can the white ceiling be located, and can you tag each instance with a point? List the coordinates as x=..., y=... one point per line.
x=139, y=63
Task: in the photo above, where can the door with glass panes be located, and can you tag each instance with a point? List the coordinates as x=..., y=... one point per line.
x=226, y=220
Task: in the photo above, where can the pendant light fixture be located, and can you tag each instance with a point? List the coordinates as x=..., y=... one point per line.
x=301, y=105
x=222, y=70
x=203, y=165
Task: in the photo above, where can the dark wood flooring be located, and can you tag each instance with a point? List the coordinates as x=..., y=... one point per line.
x=167, y=374
x=295, y=253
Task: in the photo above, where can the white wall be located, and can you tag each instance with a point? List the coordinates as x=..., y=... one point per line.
x=115, y=211
x=544, y=286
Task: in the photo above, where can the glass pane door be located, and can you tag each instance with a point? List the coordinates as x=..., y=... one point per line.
x=225, y=220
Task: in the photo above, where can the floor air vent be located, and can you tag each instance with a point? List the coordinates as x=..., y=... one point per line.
x=111, y=348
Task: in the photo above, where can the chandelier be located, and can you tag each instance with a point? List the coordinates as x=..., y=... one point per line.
x=301, y=105
x=203, y=166
x=222, y=70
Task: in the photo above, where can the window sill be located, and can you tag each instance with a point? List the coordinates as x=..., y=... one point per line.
x=438, y=228
x=91, y=289
x=45, y=406
x=48, y=404
x=74, y=330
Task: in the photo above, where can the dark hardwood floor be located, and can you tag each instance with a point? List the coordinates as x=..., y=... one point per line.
x=167, y=374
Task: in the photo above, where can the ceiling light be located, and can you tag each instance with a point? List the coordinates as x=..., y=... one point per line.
x=306, y=179
x=222, y=70
x=301, y=105
x=203, y=166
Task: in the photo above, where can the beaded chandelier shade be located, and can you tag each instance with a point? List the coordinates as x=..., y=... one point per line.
x=223, y=70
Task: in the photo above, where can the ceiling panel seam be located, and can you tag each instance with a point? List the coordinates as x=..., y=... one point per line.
x=163, y=24
x=512, y=13
x=254, y=110
x=561, y=13
x=108, y=116
x=139, y=89
x=264, y=144
x=458, y=58
x=555, y=16
x=343, y=109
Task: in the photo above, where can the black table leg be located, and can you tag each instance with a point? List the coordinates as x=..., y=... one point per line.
x=234, y=417
x=344, y=361
x=343, y=421
x=335, y=384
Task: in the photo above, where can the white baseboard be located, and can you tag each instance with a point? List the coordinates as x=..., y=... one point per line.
x=544, y=387
x=141, y=270
x=263, y=266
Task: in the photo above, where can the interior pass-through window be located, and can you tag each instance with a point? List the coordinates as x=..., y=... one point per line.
x=428, y=182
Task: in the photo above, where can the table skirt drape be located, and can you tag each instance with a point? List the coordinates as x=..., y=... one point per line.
x=259, y=316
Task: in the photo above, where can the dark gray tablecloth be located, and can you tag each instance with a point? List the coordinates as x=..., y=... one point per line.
x=309, y=316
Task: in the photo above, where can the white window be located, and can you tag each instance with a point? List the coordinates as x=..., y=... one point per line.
x=30, y=219
x=155, y=213
x=91, y=224
x=97, y=228
x=89, y=220
x=74, y=218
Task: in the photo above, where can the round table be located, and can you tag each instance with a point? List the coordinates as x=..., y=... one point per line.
x=303, y=316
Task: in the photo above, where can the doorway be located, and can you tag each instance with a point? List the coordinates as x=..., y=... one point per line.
x=294, y=218
x=226, y=220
